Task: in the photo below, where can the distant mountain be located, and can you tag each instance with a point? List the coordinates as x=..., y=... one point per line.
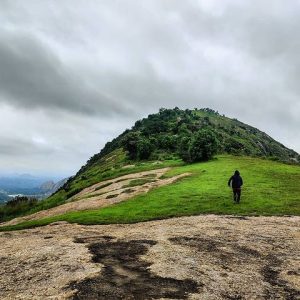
x=28, y=185
x=49, y=187
x=21, y=184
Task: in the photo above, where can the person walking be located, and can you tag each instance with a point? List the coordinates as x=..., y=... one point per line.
x=236, y=183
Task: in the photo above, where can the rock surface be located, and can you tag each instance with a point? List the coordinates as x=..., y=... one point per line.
x=201, y=257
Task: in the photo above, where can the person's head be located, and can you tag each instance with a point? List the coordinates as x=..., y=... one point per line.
x=236, y=173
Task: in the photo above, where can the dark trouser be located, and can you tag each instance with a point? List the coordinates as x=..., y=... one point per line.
x=236, y=195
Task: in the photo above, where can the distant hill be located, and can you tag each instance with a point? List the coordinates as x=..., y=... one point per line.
x=29, y=185
x=49, y=187
x=21, y=184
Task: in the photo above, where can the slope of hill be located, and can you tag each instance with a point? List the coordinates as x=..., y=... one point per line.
x=162, y=140
x=271, y=188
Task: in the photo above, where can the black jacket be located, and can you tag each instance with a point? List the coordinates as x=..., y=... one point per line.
x=236, y=180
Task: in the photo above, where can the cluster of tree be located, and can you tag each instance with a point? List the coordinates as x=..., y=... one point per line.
x=200, y=146
x=21, y=200
x=16, y=207
x=183, y=132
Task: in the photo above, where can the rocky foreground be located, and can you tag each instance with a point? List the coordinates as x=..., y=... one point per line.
x=202, y=257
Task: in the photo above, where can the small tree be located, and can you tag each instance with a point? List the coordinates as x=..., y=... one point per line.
x=144, y=149
x=183, y=148
x=203, y=146
x=130, y=144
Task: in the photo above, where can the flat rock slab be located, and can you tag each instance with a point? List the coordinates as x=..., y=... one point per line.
x=201, y=257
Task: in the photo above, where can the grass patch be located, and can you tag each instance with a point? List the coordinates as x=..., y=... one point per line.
x=270, y=188
x=137, y=182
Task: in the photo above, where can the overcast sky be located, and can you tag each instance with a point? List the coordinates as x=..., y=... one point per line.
x=76, y=73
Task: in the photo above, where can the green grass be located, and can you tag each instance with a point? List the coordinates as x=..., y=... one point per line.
x=137, y=182
x=270, y=188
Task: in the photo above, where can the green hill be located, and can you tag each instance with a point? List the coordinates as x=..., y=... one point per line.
x=162, y=133
x=166, y=139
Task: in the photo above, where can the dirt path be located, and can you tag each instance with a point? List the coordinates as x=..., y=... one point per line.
x=105, y=193
x=202, y=257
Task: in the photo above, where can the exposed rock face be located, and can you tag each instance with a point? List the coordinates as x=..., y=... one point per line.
x=47, y=186
x=202, y=257
x=50, y=187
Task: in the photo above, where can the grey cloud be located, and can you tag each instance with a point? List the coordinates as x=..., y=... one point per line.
x=31, y=76
x=10, y=146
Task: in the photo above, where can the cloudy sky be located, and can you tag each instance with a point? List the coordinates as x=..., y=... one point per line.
x=76, y=73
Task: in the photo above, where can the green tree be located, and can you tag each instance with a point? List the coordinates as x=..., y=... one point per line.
x=130, y=144
x=183, y=148
x=144, y=149
x=203, y=146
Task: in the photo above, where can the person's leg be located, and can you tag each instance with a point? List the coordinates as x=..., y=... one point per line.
x=238, y=195
x=234, y=195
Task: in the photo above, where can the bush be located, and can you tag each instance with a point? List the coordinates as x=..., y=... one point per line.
x=16, y=207
x=21, y=200
x=144, y=149
x=130, y=144
x=202, y=146
x=183, y=148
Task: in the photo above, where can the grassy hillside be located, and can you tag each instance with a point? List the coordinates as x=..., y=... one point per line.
x=163, y=139
x=270, y=188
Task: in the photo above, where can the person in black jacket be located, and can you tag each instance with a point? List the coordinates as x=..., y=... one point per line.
x=236, y=182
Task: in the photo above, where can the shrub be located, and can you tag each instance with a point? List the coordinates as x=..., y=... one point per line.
x=16, y=207
x=144, y=149
x=21, y=200
x=183, y=148
x=203, y=146
x=130, y=144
